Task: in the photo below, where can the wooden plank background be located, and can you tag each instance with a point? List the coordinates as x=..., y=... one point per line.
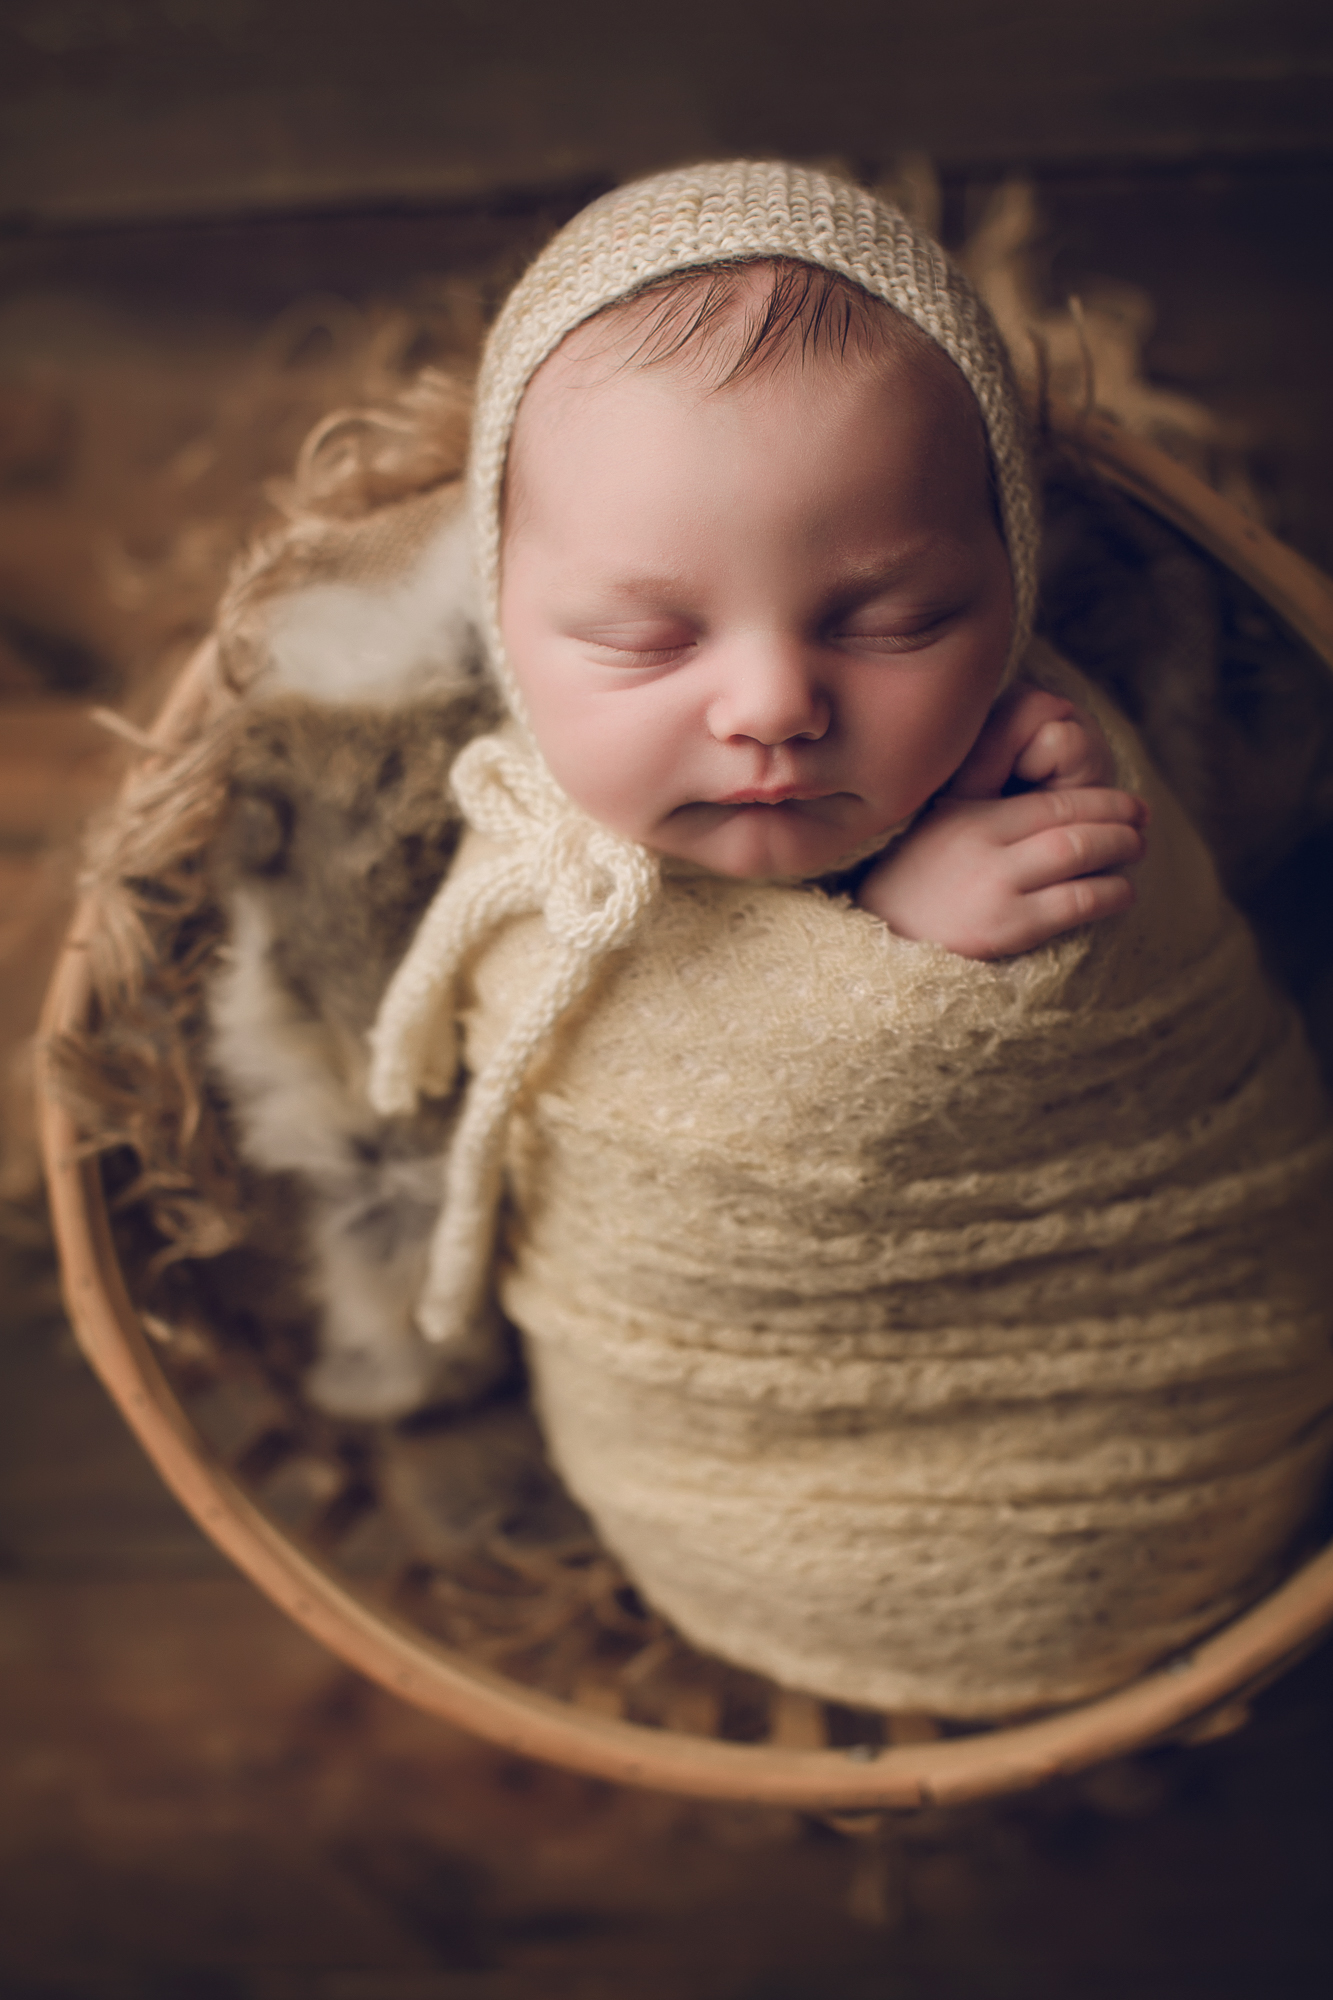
x=190, y=106
x=196, y=1801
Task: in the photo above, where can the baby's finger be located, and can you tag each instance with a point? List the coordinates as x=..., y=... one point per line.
x=1015, y=719
x=1051, y=912
x=1067, y=751
x=1011, y=820
x=1065, y=853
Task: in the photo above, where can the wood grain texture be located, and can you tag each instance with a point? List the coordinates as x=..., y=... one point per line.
x=141, y=110
x=198, y=1801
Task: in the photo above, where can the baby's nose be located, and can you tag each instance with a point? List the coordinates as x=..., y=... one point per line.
x=768, y=694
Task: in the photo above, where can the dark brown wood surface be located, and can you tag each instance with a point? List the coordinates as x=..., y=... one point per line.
x=110, y=112
x=195, y=1800
x=199, y=1801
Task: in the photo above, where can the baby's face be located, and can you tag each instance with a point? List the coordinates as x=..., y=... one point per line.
x=757, y=626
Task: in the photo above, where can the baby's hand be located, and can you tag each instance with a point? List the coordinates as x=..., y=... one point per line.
x=986, y=876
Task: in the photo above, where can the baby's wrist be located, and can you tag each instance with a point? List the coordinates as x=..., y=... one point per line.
x=908, y=902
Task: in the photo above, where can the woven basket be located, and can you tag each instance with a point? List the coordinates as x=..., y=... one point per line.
x=790, y=1758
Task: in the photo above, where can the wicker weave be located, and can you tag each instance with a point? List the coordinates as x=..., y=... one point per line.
x=626, y=1695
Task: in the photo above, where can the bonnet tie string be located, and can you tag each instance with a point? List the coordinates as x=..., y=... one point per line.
x=592, y=887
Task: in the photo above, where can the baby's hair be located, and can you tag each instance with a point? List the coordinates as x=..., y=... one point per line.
x=716, y=314
x=803, y=309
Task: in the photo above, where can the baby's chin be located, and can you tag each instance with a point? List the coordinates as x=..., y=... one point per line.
x=754, y=842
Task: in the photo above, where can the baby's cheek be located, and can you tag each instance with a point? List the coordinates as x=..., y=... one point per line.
x=597, y=755
x=951, y=720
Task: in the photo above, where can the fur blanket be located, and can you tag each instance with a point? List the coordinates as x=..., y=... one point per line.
x=927, y=1333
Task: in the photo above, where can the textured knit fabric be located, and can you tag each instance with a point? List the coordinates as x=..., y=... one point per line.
x=919, y=1331
x=922, y=1332
x=594, y=887
x=733, y=213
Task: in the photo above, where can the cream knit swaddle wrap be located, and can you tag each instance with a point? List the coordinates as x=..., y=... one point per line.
x=564, y=863
x=922, y=1332
x=927, y=1333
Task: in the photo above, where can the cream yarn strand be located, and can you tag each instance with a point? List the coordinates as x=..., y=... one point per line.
x=461, y=1248
x=414, y=1042
x=593, y=888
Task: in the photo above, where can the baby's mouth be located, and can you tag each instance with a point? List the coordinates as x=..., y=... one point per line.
x=773, y=795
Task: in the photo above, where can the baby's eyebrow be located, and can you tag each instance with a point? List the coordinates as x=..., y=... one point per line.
x=855, y=577
x=639, y=585
x=867, y=577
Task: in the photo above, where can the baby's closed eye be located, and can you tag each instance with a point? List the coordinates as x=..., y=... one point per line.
x=886, y=638
x=900, y=622
x=639, y=643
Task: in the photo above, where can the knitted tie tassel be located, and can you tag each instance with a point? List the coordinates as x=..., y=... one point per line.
x=592, y=888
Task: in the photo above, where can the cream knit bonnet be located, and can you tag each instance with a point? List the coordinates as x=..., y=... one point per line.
x=592, y=886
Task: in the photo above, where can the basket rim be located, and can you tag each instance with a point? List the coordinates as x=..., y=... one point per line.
x=443, y=1681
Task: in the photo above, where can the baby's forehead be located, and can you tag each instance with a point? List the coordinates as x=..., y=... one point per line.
x=789, y=333
x=711, y=331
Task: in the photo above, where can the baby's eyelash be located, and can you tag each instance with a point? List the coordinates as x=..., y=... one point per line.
x=891, y=642
x=641, y=656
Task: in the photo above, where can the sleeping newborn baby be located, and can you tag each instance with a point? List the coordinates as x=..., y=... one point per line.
x=757, y=605
x=909, y=1193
